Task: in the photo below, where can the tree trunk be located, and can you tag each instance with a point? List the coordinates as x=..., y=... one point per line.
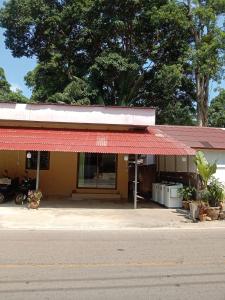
x=202, y=81
x=202, y=91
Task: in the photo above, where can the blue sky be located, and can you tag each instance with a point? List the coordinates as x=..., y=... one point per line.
x=17, y=68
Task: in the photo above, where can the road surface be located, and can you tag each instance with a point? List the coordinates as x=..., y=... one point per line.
x=144, y=264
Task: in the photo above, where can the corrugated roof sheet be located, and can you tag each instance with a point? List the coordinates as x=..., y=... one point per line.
x=196, y=137
x=143, y=142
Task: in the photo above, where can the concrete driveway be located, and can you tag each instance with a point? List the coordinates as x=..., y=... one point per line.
x=93, y=215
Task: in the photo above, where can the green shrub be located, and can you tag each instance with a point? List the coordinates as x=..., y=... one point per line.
x=187, y=192
x=216, y=192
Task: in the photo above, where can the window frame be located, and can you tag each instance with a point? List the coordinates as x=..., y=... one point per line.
x=41, y=167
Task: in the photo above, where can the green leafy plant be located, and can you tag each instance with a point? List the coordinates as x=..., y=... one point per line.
x=213, y=191
x=34, y=199
x=205, y=169
x=187, y=193
x=205, y=196
x=216, y=192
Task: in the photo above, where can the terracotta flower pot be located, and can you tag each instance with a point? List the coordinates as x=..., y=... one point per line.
x=186, y=205
x=202, y=217
x=34, y=198
x=213, y=212
x=33, y=205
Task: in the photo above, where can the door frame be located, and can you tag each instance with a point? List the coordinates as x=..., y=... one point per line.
x=98, y=188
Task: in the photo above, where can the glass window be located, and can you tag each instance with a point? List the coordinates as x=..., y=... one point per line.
x=97, y=170
x=31, y=160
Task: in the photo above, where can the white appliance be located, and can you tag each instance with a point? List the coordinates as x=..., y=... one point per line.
x=161, y=194
x=155, y=192
x=172, y=197
x=158, y=192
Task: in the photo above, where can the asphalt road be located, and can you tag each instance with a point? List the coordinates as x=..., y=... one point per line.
x=153, y=264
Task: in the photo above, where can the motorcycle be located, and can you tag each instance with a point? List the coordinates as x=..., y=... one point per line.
x=8, y=187
x=26, y=185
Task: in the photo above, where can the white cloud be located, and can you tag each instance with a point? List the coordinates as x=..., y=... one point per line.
x=14, y=87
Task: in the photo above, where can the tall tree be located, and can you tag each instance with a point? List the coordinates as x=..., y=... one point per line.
x=129, y=52
x=207, y=48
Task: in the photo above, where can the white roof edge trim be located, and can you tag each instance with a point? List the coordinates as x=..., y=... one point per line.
x=77, y=114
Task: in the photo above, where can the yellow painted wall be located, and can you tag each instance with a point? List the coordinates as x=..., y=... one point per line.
x=122, y=177
x=61, y=177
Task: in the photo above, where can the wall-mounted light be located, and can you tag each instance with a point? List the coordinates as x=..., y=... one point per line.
x=28, y=155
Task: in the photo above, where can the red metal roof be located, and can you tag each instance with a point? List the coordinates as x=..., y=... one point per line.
x=196, y=137
x=143, y=142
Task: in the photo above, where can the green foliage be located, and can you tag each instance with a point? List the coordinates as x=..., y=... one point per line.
x=6, y=95
x=46, y=80
x=4, y=85
x=114, y=78
x=213, y=191
x=187, y=192
x=216, y=192
x=217, y=111
x=16, y=97
x=160, y=53
x=176, y=114
x=207, y=48
x=125, y=52
x=77, y=92
x=205, y=169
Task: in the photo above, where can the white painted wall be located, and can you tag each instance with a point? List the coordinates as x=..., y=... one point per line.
x=185, y=164
x=218, y=155
x=77, y=114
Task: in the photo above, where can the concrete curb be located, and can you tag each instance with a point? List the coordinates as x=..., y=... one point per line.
x=112, y=228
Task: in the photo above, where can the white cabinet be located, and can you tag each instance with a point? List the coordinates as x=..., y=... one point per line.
x=172, y=197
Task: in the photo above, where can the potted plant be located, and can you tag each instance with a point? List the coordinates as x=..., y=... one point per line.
x=216, y=192
x=202, y=212
x=205, y=170
x=212, y=191
x=187, y=193
x=216, y=196
x=34, y=199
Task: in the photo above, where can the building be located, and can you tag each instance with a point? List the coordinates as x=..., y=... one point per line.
x=80, y=151
x=211, y=141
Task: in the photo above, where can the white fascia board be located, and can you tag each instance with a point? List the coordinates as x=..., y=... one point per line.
x=77, y=114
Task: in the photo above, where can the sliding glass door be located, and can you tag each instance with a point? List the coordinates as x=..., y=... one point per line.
x=97, y=170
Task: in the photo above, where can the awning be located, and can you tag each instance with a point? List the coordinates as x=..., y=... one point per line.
x=124, y=142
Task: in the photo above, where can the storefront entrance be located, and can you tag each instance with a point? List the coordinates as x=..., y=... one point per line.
x=97, y=170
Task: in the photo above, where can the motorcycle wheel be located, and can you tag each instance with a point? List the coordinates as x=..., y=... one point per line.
x=19, y=199
x=2, y=198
